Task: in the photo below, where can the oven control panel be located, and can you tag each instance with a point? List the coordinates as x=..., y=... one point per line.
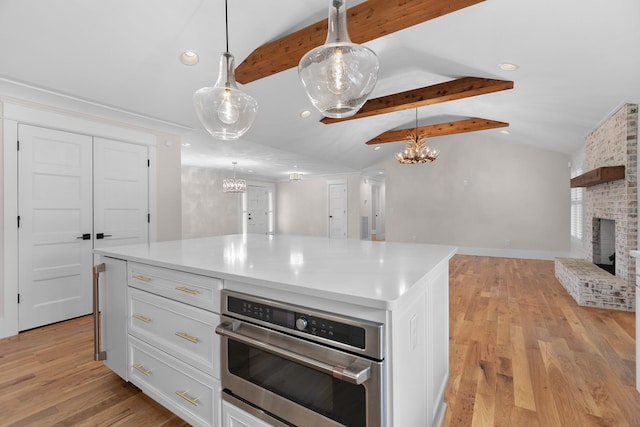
x=297, y=319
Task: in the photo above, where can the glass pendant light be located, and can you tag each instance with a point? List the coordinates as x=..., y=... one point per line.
x=224, y=110
x=339, y=75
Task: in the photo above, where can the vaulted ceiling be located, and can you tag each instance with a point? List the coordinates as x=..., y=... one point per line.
x=577, y=62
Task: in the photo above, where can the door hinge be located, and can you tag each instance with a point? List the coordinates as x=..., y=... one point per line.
x=18, y=298
x=18, y=221
x=149, y=218
x=148, y=163
x=18, y=145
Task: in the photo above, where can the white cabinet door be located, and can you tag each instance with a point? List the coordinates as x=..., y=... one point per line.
x=114, y=315
x=121, y=184
x=233, y=416
x=55, y=211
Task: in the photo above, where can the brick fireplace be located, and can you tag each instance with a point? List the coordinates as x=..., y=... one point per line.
x=613, y=143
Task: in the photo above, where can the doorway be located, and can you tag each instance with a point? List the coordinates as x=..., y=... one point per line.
x=338, y=210
x=257, y=209
x=75, y=193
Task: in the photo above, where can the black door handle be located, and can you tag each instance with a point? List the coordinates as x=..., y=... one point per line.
x=85, y=236
x=102, y=235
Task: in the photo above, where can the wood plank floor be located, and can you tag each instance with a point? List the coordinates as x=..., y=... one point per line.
x=522, y=354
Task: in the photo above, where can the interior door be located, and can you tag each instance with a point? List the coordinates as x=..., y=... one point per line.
x=257, y=209
x=337, y=211
x=121, y=199
x=55, y=226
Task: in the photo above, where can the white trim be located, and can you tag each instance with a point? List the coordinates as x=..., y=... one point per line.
x=59, y=120
x=153, y=194
x=9, y=320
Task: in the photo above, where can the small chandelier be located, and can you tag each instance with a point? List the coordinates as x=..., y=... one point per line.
x=234, y=185
x=224, y=110
x=416, y=149
x=339, y=75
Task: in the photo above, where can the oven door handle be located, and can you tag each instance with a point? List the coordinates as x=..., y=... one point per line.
x=356, y=373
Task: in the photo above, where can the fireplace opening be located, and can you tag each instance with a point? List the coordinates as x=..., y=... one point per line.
x=604, y=244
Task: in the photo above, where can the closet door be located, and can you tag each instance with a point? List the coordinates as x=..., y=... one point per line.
x=121, y=193
x=55, y=226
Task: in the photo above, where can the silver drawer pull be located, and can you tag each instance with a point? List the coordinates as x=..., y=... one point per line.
x=187, y=337
x=141, y=277
x=141, y=318
x=140, y=368
x=187, y=290
x=185, y=396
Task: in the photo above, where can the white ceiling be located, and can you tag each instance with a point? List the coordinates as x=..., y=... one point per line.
x=578, y=61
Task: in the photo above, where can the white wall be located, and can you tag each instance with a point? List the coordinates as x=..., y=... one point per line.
x=301, y=207
x=483, y=195
x=206, y=210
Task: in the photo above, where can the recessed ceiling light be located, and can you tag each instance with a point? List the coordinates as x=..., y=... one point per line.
x=305, y=114
x=506, y=132
x=186, y=144
x=189, y=57
x=507, y=66
x=376, y=148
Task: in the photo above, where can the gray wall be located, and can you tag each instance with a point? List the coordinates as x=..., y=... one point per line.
x=482, y=193
x=206, y=210
x=487, y=197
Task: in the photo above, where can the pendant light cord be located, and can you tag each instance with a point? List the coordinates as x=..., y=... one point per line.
x=226, y=23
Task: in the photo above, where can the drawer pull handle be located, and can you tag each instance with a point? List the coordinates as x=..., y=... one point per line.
x=187, y=337
x=187, y=290
x=185, y=396
x=141, y=277
x=142, y=318
x=138, y=367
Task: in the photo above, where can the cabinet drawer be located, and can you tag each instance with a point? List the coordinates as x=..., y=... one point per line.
x=186, y=332
x=200, y=291
x=183, y=390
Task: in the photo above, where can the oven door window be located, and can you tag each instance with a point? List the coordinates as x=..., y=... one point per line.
x=341, y=401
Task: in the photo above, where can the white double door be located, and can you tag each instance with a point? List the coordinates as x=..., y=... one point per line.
x=75, y=193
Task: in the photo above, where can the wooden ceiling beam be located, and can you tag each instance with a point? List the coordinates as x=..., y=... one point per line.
x=442, y=92
x=367, y=21
x=440, y=129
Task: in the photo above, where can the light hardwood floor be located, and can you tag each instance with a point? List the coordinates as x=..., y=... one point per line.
x=522, y=353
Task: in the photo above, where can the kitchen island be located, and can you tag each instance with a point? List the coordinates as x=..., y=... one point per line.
x=151, y=289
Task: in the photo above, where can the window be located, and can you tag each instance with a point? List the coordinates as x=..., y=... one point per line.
x=577, y=210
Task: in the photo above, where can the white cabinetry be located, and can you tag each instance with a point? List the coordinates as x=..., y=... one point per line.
x=159, y=333
x=233, y=416
x=636, y=254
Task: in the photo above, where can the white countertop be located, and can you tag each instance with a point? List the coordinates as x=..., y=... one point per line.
x=374, y=274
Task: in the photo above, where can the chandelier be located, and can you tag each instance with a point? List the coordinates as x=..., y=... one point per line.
x=339, y=75
x=295, y=176
x=416, y=149
x=234, y=185
x=223, y=109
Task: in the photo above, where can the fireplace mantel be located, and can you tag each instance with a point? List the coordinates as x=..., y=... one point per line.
x=598, y=176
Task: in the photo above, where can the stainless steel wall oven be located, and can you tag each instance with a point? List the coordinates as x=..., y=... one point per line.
x=296, y=366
